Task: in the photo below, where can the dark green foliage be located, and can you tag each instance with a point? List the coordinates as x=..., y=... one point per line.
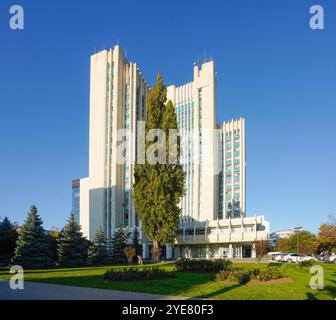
x=135, y=274
x=53, y=246
x=202, y=265
x=274, y=265
x=235, y=275
x=254, y=273
x=240, y=276
x=306, y=263
x=159, y=187
x=270, y=273
x=72, y=246
x=8, y=238
x=32, y=247
x=98, y=252
x=221, y=276
x=119, y=243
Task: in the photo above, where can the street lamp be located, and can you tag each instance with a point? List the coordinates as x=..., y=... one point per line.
x=297, y=229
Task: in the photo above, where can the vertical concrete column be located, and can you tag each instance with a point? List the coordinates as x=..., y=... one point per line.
x=230, y=251
x=253, y=253
x=207, y=252
x=145, y=250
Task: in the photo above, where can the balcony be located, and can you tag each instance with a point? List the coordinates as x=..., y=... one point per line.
x=223, y=237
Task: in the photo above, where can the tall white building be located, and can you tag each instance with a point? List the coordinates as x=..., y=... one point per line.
x=213, y=222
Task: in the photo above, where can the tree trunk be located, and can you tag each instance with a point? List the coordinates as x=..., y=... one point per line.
x=156, y=251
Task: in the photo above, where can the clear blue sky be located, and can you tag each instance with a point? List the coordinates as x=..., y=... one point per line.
x=272, y=69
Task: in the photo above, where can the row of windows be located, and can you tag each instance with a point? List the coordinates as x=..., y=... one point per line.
x=184, y=108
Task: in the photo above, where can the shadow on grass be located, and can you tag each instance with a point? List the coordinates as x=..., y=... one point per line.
x=89, y=268
x=177, y=286
x=330, y=290
x=219, y=292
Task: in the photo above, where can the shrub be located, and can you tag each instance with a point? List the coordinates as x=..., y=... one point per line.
x=134, y=274
x=254, y=273
x=240, y=276
x=129, y=253
x=236, y=275
x=306, y=263
x=270, y=273
x=274, y=265
x=221, y=276
x=203, y=265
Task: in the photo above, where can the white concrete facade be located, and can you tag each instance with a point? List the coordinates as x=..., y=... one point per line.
x=232, y=179
x=118, y=97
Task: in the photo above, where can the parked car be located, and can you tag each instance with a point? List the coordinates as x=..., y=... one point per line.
x=307, y=258
x=323, y=257
x=279, y=257
x=332, y=257
x=275, y=256
x=291, y=257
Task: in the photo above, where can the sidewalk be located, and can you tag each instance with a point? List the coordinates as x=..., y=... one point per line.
x=42, y=291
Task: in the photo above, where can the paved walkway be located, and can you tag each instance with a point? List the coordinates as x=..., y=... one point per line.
x=41, y=291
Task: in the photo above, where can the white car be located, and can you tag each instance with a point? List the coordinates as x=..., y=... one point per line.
x=279, y=257
x=307, y=258
x=332, y=257
x=291, y=257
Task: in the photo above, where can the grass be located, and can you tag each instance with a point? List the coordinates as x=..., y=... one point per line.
x=198, y=285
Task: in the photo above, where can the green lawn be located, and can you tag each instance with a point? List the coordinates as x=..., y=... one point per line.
x=198, y=285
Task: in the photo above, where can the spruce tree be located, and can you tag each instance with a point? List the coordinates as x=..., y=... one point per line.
x=32, y=247
x=158, y=188
x=98, y=251
x=8, y=238
x=72, y=247
x=119, y=243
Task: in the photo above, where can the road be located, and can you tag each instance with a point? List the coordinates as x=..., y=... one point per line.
x=42, y=291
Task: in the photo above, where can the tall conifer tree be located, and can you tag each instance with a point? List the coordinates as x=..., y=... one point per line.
x=72, y=247
x=32, y=247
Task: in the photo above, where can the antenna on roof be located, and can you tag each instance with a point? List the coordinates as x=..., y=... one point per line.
x=118, y=41
x=126, y=53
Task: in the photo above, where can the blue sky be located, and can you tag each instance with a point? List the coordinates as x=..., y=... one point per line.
x=272, y=69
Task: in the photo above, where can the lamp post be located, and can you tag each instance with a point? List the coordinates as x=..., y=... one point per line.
x=297, y=229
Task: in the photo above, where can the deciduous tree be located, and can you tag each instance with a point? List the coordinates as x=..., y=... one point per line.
x=158, y=187
x=327, y=235
x=261, y=247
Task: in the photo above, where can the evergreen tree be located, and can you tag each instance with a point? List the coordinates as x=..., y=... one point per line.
x=8, y=238
x=98, y=251
x=135, y=242
x=32, y=247
x=72, y=247
x=119, y=243
x=158, y=188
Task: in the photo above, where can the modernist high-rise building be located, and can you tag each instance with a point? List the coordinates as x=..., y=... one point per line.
x=213, y=221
